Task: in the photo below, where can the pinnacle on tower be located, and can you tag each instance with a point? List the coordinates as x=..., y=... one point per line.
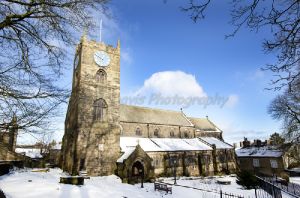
x=84, y=35
x=118, y=44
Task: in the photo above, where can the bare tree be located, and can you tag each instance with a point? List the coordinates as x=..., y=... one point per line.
x=34, y=36
x=282, y=18
x=286, y=107
x=276, y=139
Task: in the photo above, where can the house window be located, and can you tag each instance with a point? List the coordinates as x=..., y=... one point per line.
x=101, y=76
x=256, y=163
x=156, y=133
x=100, y=108
x=274, y=163
x=138, y=131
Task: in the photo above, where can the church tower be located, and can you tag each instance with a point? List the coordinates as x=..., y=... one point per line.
x=92, y=129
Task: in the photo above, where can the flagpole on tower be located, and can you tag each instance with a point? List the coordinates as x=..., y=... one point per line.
x=100, y=30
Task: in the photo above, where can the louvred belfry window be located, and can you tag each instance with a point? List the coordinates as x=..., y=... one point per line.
x=100, y=108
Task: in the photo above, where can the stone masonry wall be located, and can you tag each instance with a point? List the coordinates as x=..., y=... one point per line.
x=89, y=144
x=164, y=131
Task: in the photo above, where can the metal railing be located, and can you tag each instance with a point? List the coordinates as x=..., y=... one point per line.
x=290, y=188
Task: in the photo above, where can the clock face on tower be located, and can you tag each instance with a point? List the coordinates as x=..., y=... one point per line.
x=102, y=58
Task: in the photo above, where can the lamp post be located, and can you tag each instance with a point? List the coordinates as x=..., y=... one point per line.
x=174, y=166
x=141, y=173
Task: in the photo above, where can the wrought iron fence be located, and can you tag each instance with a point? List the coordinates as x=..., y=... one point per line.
x=229, y=195
x=269, y=187
x=259, y=193
x=288, y=187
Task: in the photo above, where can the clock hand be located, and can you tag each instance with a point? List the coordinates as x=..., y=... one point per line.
x=100, y=57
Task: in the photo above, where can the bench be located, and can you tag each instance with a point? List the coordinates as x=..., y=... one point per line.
x=223, y=181
x=75, y=180
x=163, y=187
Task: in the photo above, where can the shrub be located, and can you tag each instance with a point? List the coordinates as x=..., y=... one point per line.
x=2, y=195
x=294, y=165
x=285, y=176
x=246, y=179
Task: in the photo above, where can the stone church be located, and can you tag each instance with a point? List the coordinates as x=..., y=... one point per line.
x=104, y=137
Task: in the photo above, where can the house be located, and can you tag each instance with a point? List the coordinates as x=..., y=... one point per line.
x=260, y=159
x=54, y=156
x=33, y=153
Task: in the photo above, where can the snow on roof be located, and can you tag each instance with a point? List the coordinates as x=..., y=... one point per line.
x=297, y=170
x=126, y=154
x=163, y=144
x=130, y=142
x=177, y=144
x=219, y=143
x=30, y=152
x=258, y=152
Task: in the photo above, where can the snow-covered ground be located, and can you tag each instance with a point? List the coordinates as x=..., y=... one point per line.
x=295, y=180
x=25, y=184
x=210, y=183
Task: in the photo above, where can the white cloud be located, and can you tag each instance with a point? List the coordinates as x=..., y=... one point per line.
x=171, y=83
x=233, y=99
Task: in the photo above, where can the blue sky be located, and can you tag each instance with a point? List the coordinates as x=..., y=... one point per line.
x=158, y=37
x=158, y=41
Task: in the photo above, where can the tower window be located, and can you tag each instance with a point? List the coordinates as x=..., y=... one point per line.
x=100, y=108
x=101, y=76
x=156, y=133
x=138, y=131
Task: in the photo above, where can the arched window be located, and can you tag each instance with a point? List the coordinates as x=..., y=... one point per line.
x=172, y=134
x=186, y=134
x=138, y=131
x=101, y=76
x=156, y=133
x=100, y=108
